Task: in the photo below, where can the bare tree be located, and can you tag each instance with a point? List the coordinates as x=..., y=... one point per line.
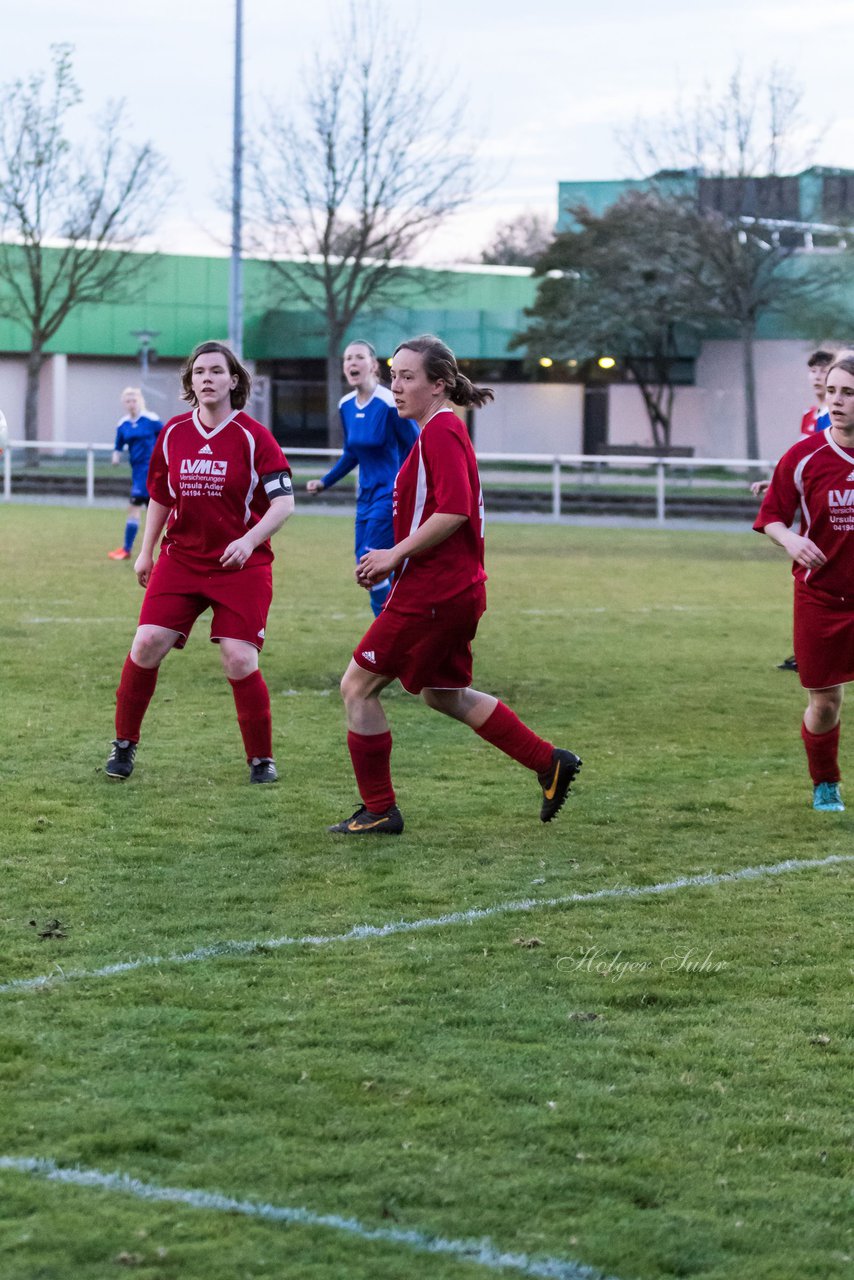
x=71, y=222
x=520, y=241
x=728, y=161
x=346, y=188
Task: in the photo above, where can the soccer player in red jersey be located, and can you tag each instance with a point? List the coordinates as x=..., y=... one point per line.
x=423, y=635
x=815, y=419
x=220, y=486
x=818, y=474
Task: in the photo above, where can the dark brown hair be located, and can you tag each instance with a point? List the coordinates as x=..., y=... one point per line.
x=440, y=365
x=239, y=394
x=820, y=358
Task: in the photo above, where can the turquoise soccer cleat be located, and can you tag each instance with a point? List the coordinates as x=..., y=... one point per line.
x=826, y=797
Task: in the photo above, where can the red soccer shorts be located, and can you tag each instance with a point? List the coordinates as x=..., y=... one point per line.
x=824, y=638
x=427, y=649
x=240, y=599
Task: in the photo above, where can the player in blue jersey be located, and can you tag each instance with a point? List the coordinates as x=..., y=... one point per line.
x=376, y=440
x=137, y=433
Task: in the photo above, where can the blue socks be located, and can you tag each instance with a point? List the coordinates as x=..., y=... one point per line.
x=131, y=530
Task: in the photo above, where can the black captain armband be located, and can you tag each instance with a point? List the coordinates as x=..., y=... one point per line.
x=278, y=484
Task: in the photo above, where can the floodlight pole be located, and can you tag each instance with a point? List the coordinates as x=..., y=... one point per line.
x=235, y=291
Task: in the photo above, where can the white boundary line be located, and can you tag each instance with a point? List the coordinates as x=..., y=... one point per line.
x=361, y=932
x=482, y=1252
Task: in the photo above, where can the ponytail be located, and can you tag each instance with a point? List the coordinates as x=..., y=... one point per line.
x=465, y=393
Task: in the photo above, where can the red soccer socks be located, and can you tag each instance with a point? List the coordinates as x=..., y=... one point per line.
x=822, y=754
x=252, y=699
x=135, y=691
x=506, y=731
x=371, y=757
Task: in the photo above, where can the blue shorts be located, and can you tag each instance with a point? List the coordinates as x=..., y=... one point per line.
x=374, y=529
x=139, y=486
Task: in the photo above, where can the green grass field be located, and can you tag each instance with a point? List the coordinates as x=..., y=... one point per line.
x=646, y=1086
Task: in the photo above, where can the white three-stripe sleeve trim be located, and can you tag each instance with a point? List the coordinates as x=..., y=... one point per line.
x=166, y=434
x=253, y=474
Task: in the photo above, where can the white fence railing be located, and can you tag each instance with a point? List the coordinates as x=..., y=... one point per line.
x=586, y=468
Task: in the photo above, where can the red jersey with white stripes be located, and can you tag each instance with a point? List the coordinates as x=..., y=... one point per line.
x=818, y=474
x=212, y=481
x=439, y=474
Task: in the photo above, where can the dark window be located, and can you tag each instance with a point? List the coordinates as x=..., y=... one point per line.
x=752, y=197
x=837, y=197
x=595, y=427
x=299, y=414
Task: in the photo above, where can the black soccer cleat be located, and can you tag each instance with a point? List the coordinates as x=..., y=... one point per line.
x=262, y=769
x=365, y=823
x=555, y=782
x=788, y=664
x=119, y=767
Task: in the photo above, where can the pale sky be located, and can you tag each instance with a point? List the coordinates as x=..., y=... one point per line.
x=549, y=82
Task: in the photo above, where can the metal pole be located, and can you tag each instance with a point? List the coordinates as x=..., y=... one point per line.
x=556, y=489
x=659, y=493
x=90, y=476
x=7, y=473
x=235, y=292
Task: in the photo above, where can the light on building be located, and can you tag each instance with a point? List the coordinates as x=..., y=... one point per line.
x=572, y=364
x=546, y=362
x=606, y=362
x=388, y=362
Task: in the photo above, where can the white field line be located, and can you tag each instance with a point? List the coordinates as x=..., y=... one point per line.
x=361, y=932
x=481, y=1252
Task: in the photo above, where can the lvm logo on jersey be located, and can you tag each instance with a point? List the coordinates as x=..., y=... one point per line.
x=203, y=467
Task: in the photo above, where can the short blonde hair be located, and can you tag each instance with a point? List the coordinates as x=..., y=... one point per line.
x=134, y=391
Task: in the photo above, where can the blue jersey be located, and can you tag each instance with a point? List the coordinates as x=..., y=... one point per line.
x=376, y=440
x=139, y=437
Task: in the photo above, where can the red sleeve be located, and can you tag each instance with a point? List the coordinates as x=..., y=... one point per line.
x=268, y=454
x=782, y=498
x=445, y=456
x=158, y=474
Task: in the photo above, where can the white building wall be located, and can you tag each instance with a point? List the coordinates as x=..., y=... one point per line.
x=80, y=397
x=524, y=418
x=531, y=418
x=95, y=395
x=13, y=390
x=709, y=417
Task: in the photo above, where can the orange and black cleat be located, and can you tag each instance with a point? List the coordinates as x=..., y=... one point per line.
x=365, y=823
x=555, y=782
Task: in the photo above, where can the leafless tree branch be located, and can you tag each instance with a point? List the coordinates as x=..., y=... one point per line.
x=71, y=222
